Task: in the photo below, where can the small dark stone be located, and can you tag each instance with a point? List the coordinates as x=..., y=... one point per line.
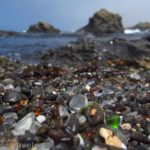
x=59, y=135
x=26, y=91
x=146, y=99
x=134, y=143
x=42, y=130
x=61, y=146
x=128, y=118
x=37, y=91
x=22, y=112
x=139, y=136
x=142, y=147
x=130, y=146
x=50, y=97
x=147, y=129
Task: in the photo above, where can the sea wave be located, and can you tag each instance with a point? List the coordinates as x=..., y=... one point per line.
x=131, y=31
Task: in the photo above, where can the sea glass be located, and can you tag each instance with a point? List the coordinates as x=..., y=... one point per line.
x=113, y=121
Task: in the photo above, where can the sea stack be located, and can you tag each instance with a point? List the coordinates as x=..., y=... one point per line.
x=42, y=27
x=103, y=22
x=142, y=26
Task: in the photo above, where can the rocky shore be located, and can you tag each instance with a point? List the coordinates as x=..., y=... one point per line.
x=110, y=47
x=91, y=94
x=89, y=98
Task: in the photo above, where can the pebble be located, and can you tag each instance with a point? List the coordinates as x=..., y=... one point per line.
x=94, y=114
x=39, y=83
x=43, y=146
x=61, y=146
x=81, y=140
x=8, y=81
x=97, y=93
x=41, y=118
x=142, y=147
x=113, y=121
x=49, y=89
x=10, y=118
x=63, y=112
x=88, y=87
x=42, y=106
x=146, y=99
x=2, y=70
x=72, y=124
x=78, y=102
x=34, y=127
x=59, y=135
x=13, y=97
x=99, y=148
x=135, y=76
x=139, y=136
x=147, y=128
x=126, y=126
x=24, y=124
x=111, y=139
x=2, y=119
x=9, y=87
x=134, y=113
x=12, y=115
x=82, y=120
x=128, y=118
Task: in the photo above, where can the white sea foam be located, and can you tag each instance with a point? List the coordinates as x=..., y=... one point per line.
x=24, y=31
x=131, y=31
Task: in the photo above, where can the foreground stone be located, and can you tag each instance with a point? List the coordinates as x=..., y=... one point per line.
x=111, y=139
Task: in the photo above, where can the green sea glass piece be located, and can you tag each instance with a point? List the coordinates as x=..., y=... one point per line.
x=113, y=121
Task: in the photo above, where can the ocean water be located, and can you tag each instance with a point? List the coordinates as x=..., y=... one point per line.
x=22, y=47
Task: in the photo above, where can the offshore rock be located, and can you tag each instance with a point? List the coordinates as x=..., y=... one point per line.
x=8, y=33
x=103, y=22
x=142, y=26
x=42, y=27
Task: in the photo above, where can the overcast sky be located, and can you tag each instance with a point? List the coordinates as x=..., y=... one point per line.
x=67, y=15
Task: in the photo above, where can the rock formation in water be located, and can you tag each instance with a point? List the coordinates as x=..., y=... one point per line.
x=103, y=22
x=142, y=26
x=8, y=33
x=42, y=27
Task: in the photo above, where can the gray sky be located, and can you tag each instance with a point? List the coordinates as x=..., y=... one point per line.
x=67, y=15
